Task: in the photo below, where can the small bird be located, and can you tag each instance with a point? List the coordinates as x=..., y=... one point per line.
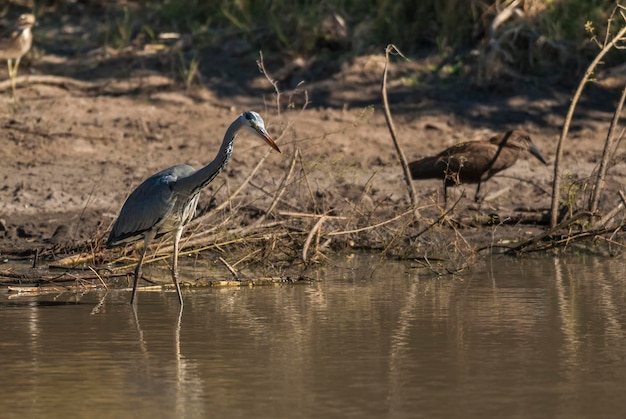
x=17, y=45
x=166, y=201
x=475, y=161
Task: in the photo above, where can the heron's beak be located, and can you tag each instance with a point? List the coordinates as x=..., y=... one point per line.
x=268, y=139
x=535, y=152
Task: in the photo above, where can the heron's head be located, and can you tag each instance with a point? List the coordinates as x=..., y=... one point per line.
x=253, y=121
x=25, y=21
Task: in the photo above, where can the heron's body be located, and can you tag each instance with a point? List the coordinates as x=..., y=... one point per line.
x=475, y=161
x=17, y=45
x=166, y=201
x=153, y=205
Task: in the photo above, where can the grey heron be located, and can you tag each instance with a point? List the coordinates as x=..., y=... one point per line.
x=17, y=45
x=475, y=161
x=166, y=201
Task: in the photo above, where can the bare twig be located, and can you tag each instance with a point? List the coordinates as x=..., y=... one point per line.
x=611, y=214
x=315, y=230
x=202, y=238
x=247, y=256
x=502, y=17
x=440, y=218
x=392, y=131
x=307, y=215
x=622, y=197
x=606, y=155
x=267, y=153
x=382, y=223
x=269, y=78
x=230, y=268
x=545, y=234
x=99, y=277
x=556, y=182
x=281, y=188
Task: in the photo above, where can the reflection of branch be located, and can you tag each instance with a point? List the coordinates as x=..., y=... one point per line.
x=399, y=342
x=568, y=320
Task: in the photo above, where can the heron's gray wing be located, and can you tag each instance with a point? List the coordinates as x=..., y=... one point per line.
x=150, y=203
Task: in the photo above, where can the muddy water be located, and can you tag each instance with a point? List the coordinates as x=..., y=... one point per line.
x=515, y=338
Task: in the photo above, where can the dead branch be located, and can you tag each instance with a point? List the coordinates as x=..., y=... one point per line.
x=606, y=155
x=556, y=182
x=282, y=187
x=306, y=215
x=531, y=242
x=392, y=130
x=99, y=277
x=230, y=268
x=315, y=230
x=382, y=223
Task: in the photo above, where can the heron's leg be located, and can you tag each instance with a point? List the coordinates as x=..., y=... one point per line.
x=177, y=235
x=146, y=241
x=138, y=274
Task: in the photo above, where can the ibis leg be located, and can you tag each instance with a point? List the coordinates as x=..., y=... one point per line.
x=476, y=198
x=13, y=73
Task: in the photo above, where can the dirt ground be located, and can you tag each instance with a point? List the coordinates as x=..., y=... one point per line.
x=88, y=128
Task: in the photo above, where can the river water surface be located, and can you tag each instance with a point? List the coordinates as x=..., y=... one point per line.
x=515, y=338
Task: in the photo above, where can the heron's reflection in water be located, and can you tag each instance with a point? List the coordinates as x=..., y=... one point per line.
x=168, y=371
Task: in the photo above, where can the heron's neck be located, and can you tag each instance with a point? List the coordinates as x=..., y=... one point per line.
x=192, y=184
